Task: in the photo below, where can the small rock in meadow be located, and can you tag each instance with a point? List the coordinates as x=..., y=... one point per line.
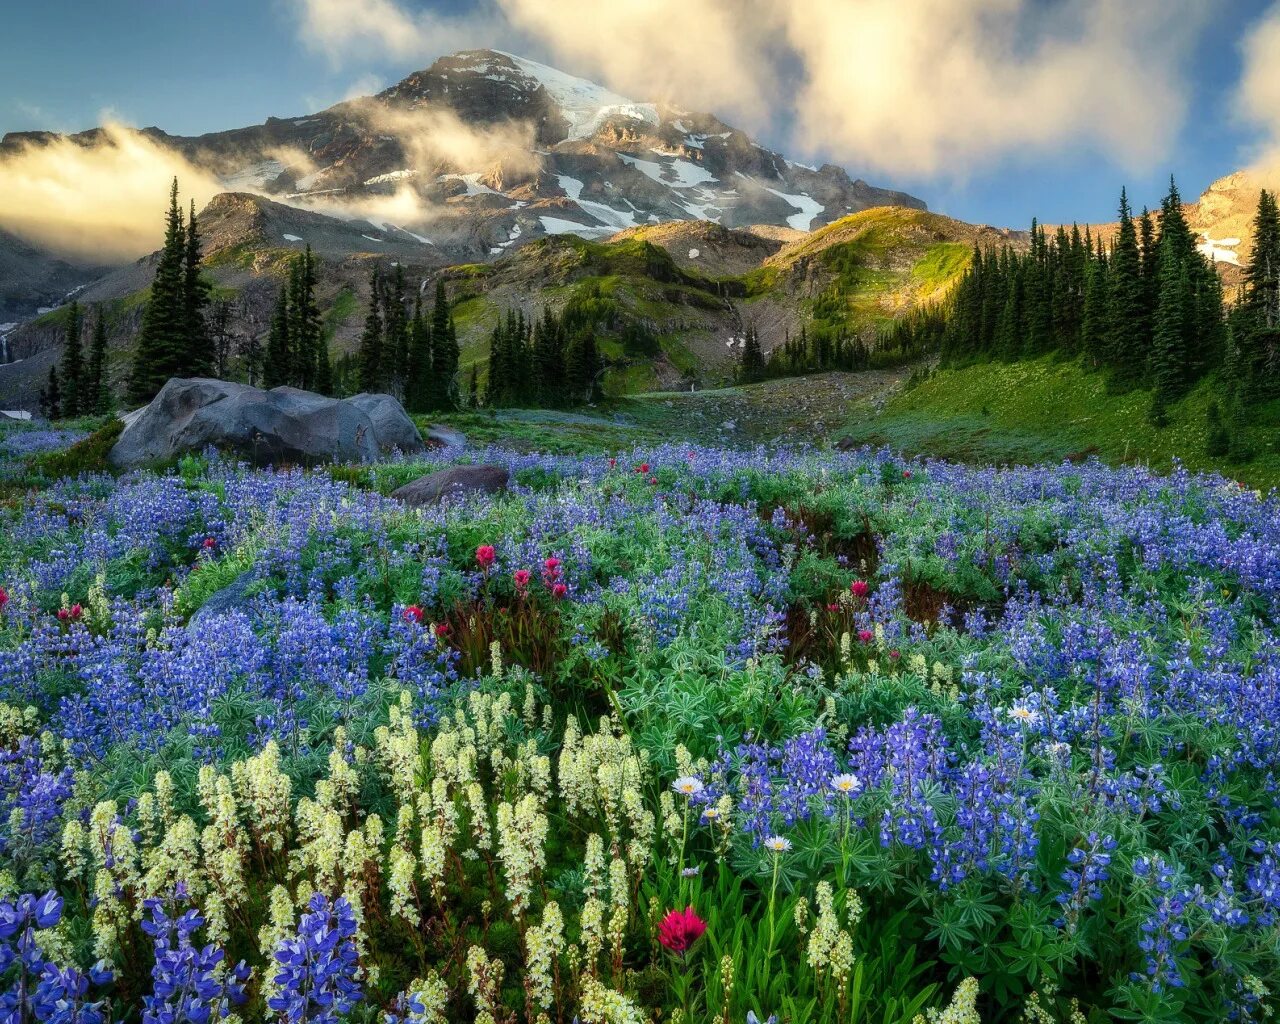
x=453, y=483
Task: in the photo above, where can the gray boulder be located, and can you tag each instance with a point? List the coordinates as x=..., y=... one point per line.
x=453, y=483
x=445, y=437
x=392, y=428
x=284, y=425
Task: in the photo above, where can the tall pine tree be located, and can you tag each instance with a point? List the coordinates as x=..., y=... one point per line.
x=370, y=356
x=161, y=351
x=74, y=400
x=97, y=390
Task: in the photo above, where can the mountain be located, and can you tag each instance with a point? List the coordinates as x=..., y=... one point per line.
x=461, y=168
x=484, y=150
x=31, y=277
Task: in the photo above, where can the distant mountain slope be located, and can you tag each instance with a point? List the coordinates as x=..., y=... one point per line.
x=484, y=150
x=31, y=277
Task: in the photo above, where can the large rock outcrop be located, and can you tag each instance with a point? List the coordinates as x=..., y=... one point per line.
x=284, y=425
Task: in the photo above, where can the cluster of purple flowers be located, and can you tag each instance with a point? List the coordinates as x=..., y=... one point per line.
x=316, y=977
x=189, y=985
x=39, y=989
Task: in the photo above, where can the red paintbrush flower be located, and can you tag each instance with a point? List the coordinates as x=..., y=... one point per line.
x=485, y=556
x=442, y=629
x=680, y=929
x=859, y=588
x=521, y=576
x=71, y=614
x=559, y=590
x=413, y=614
x=209, y=542
x=642, y=468
x=866, y=636
x=4, y=598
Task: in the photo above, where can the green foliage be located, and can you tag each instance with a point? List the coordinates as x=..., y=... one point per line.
x=87, y=456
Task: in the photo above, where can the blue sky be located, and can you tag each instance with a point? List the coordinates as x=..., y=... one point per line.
x=192, y=67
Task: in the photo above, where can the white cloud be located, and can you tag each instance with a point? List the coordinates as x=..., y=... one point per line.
x=941, y=87
x=97, y=203
x=344, y=30
x=1258, y=96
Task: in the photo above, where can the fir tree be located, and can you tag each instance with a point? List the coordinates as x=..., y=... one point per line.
x=51, y=396
x=751, y=366
x=304, y=323
x=75, y=400
x=97, y=391
x=277, y=366
x=395, y=332
x=443, y=390
x=548, y=361
x=198, y=346
x=1129, y=334
x=1173, y=319
x=417, y=388
x=1257, y=328
x=371, y=362
x=582, y=367
x=162, y=351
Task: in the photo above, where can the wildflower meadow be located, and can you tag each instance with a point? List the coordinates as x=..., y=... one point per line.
x=679, y=734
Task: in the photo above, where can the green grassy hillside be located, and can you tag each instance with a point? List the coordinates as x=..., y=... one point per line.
x=1048, y=409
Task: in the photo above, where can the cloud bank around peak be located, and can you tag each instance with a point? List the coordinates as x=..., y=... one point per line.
x=100, y=203
x=1258, y=96
x=930, y=88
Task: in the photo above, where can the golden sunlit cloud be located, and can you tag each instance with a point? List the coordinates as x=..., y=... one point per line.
x=1258, y=97
x=99, y=203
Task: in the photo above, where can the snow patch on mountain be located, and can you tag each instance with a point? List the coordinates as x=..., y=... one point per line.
x=559, y=226
x=807, y=206
x=1220, y=250
x=475, y=187
x=390, y=176
x=253, y=176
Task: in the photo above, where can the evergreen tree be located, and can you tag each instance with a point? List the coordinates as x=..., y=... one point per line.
x=1129, y=335
x=75, y=401
x=1257, y=327
x=395, y=332
x=473, y=389
x=751, y=366
x=277, y=366
x=162, y=351
x=443, y=390
x=582, y=367
x=1173, y=320
x=51, y=396
x=197, y=344
x=371, y=361
x=303, y=314
x=548, y=361
x=417, y=388
x=97, y=392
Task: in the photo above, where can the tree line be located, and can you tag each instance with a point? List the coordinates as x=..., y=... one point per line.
x=1148, y=309
x=79, y=386
x=549, y=361
x=412, y=355
x=1252, y=368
